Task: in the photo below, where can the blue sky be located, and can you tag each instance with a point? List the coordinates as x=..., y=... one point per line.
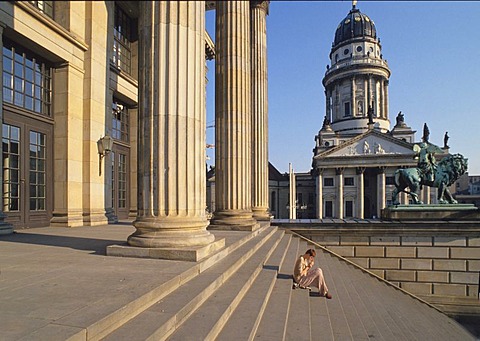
x=432, y=49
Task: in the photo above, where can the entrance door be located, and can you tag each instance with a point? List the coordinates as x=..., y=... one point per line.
x=120, y=180
x=27, y=172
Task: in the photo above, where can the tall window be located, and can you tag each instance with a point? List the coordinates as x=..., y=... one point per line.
x=44, y=7
x=37, y=171
x=347, y=109
x=328, y=209
x=122, y=180
x=122, y=47
x=27, y=81
x=348, y=209
x=11, y=168
x=120, y=122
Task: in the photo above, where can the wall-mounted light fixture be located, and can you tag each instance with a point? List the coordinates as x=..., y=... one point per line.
x=104, y=146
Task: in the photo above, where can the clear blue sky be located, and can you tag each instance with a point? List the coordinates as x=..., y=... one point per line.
x=432, y=49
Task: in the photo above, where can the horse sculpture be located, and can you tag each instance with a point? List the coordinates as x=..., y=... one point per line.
x=446, y=172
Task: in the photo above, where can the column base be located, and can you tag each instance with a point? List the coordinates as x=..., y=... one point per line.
x=67, y=219
x=261, y=214
x=234, y=220
x=192, y=254
x=95, y=218
x=170, y=233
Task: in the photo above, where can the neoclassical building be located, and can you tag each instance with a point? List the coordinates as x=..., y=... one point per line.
x=104, y=116
x=356, y=152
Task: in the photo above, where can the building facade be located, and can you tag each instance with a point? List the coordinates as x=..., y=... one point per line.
x=104, y=116
x=356, y=153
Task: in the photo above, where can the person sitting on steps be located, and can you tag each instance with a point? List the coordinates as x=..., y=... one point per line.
x=304, y=274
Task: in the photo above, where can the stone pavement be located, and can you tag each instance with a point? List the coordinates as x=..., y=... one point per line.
x=58, y=284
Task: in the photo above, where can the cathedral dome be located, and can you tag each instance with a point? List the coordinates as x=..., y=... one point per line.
x=355, y=24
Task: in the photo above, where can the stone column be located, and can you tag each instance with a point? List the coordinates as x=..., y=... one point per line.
x=258, y=14
x=386, y=99
x=172, y=120
x=369, y=93
x=360, y=192
x=233, y=166
x=380, y=190
x=5, y=228
x=319, y=181
x=327, y=103
x=353, y=102
x=339, y=172
x=292, y=194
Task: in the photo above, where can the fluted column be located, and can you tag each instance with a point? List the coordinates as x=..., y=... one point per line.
x=171, y=141
x=258, y=15
x=360, y=192
x=339, y=172
x=233, y=166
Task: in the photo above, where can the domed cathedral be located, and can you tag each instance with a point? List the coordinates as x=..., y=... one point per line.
x=356, y=152
x=357, y=77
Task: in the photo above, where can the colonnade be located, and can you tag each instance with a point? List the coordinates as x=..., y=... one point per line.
x=340, y=195
x=374, y=89
x=172, y=121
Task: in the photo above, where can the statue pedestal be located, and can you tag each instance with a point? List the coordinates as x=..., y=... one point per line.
x=431, y=212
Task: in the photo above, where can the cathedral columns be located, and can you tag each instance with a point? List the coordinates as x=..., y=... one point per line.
x=380, y=190
x=259, y=12
x=353, y=101
x=233, y=181
x=319, y=183
x=360, y=192
x=385, y=110
x=171, y=141
x=339, y=173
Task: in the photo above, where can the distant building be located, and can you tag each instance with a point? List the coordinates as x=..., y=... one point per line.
x=467, y=189
x=356, y=153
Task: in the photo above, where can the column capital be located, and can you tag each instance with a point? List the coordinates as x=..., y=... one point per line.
x=317, y=171
x=339, y=171
x=360, y=170
x=381, y=169
x=261, y=4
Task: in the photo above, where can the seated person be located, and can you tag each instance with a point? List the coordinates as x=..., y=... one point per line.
x=305, y=275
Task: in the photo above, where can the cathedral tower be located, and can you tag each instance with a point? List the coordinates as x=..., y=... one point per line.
x=356, y=81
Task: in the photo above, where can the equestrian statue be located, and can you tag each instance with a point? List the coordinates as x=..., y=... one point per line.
x=428, y=172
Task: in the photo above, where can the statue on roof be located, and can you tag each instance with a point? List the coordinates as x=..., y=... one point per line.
x=426, y=133
x=445, y=140
x=400, y=120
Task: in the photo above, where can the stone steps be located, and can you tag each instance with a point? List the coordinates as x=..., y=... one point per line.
x=247, y=294
x=167, y=314
x=113, y=321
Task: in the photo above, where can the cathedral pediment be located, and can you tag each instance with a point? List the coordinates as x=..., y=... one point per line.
x=368, y=144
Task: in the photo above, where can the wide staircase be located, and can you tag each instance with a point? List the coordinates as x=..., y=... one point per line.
x=244, y=292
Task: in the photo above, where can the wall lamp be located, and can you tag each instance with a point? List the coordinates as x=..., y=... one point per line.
x=104, y=146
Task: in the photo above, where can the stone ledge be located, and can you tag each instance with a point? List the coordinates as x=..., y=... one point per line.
x=431, y=212
x=193, y=254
